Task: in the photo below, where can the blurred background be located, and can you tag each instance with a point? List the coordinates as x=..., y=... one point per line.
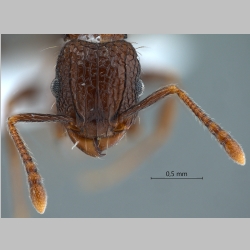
x=214, y=71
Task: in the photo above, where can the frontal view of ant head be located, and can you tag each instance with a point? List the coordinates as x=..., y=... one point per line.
x=97, y=89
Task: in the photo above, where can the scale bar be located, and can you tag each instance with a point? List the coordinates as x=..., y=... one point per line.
x=171, y=178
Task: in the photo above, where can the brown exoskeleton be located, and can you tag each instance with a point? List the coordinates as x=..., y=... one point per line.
x=97, y=88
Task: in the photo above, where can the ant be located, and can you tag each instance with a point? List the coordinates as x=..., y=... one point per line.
x=97, y=89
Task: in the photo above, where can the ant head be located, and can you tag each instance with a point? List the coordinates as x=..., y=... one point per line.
x=95, y=38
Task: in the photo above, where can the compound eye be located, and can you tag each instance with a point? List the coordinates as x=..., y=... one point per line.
x=55, y=87
x=139, y=88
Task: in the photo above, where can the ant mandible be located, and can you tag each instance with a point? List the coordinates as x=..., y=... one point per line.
x=97, y=89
